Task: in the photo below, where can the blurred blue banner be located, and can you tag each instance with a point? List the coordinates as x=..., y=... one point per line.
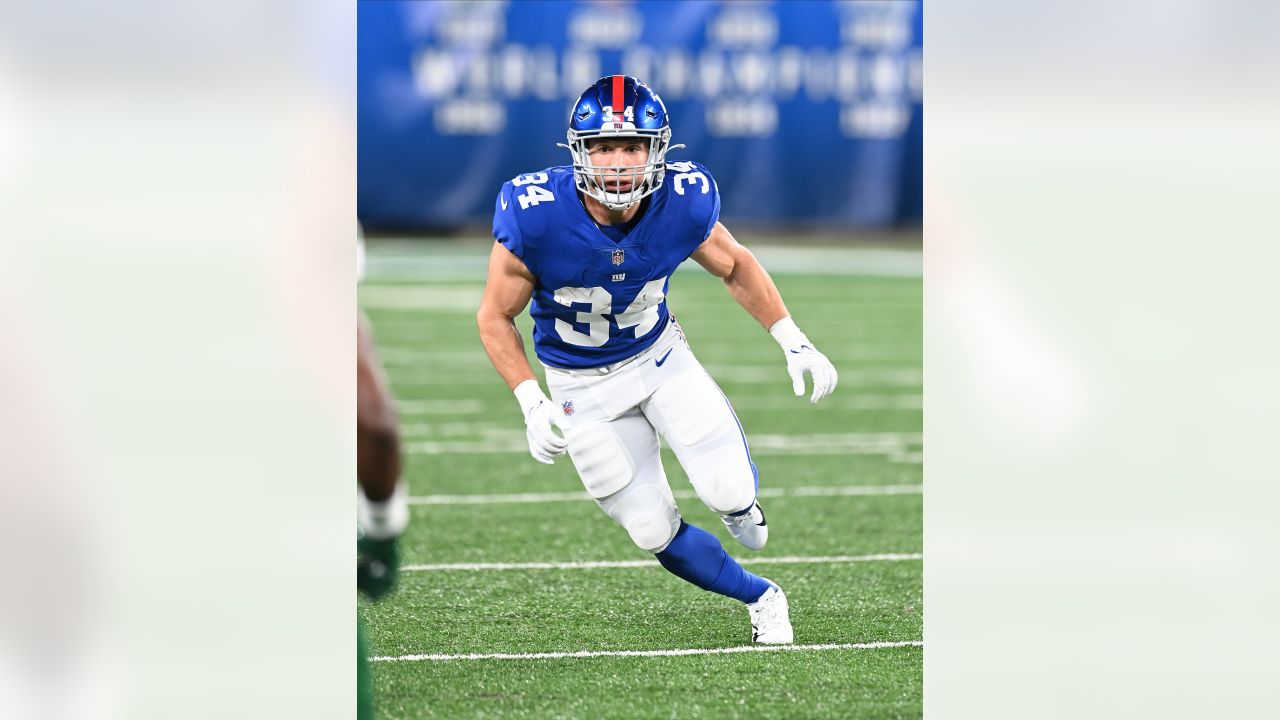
x=805, y=112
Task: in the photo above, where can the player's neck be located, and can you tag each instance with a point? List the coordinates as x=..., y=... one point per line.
x=605, y=216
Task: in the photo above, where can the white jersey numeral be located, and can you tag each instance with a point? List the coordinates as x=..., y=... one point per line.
x=529, y=179
x=691, y=178
x=642, y=313
x=596, y=319
x=534, y=194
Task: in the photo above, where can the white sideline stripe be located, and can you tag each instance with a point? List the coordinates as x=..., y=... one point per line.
x=860, y=377
x=437, y=298
x=775, y=375
x=605, y=564
x=439, y=407
x=500, y=433
x=895, y=445
x=839, y=401
x=499, y=499
x=652, y=653
x=467, y=263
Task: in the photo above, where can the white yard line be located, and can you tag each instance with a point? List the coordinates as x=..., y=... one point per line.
x=842, y=491
x=907, y=377
x=440, y=407
x=498, y=499
x=437, y=298
x=442, y=360
x=859, y=377
x=898, y=447
x=449, y=379
x=838, y=401
x=652, y=653
x=423, y=262
x=854, y=443
x=609, y=564
x=441, y=430
x=546, y=497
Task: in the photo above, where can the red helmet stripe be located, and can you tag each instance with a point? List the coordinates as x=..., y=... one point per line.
x=618, y=95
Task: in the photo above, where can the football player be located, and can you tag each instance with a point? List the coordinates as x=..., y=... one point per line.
x=382, y=509
x=594, y=245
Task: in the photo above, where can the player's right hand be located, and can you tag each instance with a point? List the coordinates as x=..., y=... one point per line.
x=540, y=418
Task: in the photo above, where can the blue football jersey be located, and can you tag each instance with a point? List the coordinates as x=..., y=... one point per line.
x=596, y=301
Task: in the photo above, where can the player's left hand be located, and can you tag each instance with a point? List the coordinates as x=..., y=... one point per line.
x=805, y=358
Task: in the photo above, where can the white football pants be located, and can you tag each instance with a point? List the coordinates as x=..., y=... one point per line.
x=616, y=414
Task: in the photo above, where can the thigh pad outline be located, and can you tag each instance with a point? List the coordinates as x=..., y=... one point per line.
x=693, y=410
x=603, y=461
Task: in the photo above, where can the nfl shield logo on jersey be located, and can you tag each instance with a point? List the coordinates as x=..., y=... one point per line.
x=568, y=407
x=619, y=256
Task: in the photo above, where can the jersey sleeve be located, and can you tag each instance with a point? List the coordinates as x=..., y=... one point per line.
x=506, y=229
x=706, y=206
x=694, y=204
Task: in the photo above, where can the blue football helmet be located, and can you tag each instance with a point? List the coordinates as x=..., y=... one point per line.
x=619, y=106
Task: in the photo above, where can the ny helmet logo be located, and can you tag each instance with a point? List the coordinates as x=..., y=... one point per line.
x=619, y=256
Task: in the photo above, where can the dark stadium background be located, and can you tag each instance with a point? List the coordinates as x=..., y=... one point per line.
x=807, y=113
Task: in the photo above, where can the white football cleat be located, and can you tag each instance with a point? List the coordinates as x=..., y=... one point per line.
x=748, y=528
x=770, y=618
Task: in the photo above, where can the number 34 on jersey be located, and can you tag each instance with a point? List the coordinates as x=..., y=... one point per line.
x=533, y=193
x=642, y=313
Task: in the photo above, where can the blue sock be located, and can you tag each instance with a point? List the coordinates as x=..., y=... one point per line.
x=697, y=556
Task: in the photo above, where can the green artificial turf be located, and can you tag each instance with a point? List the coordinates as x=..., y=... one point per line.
x=463, y=435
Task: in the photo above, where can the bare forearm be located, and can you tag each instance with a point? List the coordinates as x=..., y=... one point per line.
x=377, y=434
x=505, y=347
x=751, y=287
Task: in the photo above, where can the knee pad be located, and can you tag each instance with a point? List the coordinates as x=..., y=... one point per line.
x=723, y=479
x=648, y=513
x=653, y=531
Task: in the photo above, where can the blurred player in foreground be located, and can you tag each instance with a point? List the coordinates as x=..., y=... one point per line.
x=382, y=502
x=594, y=245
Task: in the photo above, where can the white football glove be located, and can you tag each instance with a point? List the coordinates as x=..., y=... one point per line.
x=539, y=417
x=803, y=357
